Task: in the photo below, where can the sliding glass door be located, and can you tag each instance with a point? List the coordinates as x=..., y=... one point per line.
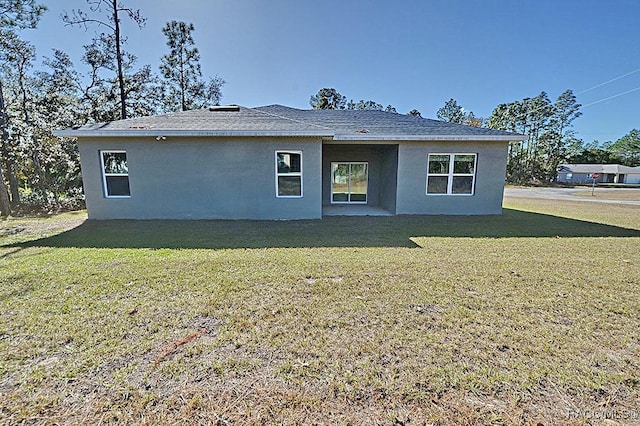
x=349, y=182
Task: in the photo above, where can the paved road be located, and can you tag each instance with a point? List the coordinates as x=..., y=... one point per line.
x=568, y=194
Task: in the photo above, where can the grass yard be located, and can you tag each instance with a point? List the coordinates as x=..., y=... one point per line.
x=630, y=194
x=528, y=318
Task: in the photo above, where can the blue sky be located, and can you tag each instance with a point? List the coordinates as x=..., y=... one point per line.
x=408, y=53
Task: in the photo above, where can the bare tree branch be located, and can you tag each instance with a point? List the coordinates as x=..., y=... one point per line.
x=112, y=10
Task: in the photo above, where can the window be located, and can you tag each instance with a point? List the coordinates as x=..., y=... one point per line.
x=451, y=174
x=288, y=173
x=115, y=173
x=349, y=182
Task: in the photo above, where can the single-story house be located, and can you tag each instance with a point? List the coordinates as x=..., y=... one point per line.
x=600, y=173
x=276, y=162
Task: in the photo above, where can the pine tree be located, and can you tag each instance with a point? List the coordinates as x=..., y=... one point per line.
x=113, y=10
x=14, y=14
x=183, y=85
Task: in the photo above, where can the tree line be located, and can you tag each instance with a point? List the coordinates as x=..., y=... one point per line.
x=549, y=125
x=39, y=171
x=552, y=140
x=330, y=98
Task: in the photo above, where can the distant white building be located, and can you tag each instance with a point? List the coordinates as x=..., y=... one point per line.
x=601, y=173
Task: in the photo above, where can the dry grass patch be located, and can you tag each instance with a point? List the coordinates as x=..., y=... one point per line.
x=630, y=194
x=620, y=215
x=493, y=328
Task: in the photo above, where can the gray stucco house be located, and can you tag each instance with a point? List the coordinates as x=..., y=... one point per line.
x=276, y=162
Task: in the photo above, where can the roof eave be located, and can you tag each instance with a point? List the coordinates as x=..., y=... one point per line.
x=76, y=133
x=187, y=133
x=370, y=137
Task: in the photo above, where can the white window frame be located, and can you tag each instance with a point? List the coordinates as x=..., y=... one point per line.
x=451, y=174
x=105, y=174
x=289, y=174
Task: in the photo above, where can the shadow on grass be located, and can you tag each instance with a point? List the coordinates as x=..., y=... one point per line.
x=395, y=231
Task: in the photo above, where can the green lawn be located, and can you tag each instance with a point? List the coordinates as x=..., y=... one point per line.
x=528, y=317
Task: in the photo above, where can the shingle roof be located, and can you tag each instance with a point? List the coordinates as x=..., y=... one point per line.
x=277, y=120
x=204, y=119
x=358, y=122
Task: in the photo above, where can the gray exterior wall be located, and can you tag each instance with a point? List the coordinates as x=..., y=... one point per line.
x=489, y=182
x=382, y=159
x=202, y=178
x=632, y=178
x=579, y=178
x=234, y=178
x=389, y=185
